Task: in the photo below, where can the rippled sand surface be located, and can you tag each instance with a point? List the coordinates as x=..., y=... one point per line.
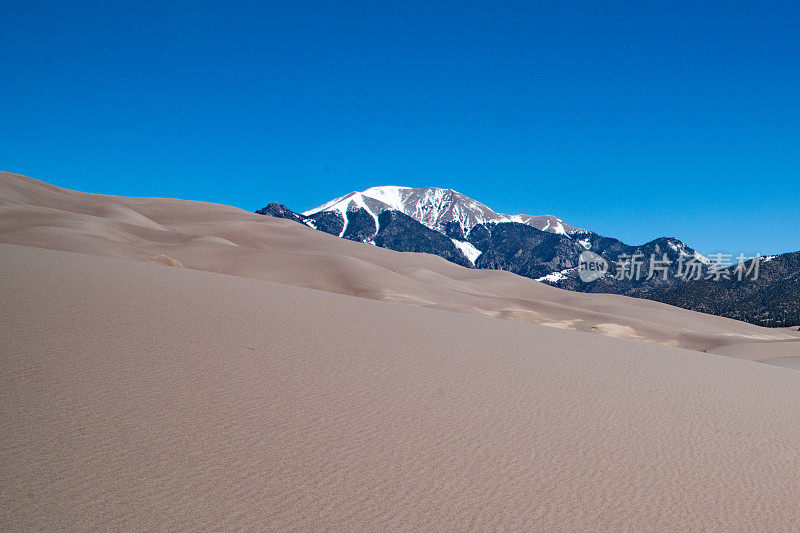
x=154, y=395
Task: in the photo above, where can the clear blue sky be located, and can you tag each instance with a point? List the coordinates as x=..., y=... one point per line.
x=634, y=119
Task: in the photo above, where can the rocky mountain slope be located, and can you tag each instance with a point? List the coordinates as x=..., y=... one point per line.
x=464, y=231
x=772, y=299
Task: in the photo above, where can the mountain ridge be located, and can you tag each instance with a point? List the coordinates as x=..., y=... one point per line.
x=434, y=207
x=464, y=231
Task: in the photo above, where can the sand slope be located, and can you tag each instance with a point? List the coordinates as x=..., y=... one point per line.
x=172, y=365
x=227, y=240
x=140, y=397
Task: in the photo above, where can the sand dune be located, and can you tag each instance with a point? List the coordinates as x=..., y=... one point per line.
x=141, y=397
x=228, y=240
x=172, y=365
x=781, y=353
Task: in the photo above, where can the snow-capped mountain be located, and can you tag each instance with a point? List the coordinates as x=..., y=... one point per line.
x=466, y=232
x=494, y=241
x=435, y=208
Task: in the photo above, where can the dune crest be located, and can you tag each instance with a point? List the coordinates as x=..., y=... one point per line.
x=227, y=240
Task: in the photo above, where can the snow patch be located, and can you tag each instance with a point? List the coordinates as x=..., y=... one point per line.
x=703, y=259
x=555, y=277
x=467, y=249
x=391, y=195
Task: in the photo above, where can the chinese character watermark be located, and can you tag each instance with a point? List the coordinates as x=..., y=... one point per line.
x=635, y=267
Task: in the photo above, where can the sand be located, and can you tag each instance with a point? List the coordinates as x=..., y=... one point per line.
x=781, y=353
x=142, y=396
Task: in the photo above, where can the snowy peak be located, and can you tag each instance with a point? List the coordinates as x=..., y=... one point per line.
x=351, y=201
x=436, y=207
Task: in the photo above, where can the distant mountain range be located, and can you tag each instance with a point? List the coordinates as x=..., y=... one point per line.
x=464, y=231
x=772, y=300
